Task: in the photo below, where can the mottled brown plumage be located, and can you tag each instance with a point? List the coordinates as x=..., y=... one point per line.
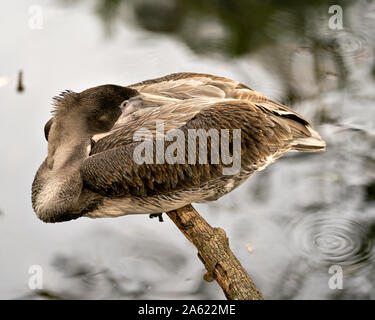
x=106, y=180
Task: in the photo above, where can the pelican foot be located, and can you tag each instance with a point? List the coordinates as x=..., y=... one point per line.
x=159, y=215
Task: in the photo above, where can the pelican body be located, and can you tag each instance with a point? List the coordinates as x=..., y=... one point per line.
x=93, y=138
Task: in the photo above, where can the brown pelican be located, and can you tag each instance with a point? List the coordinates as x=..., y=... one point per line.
x=93, y=169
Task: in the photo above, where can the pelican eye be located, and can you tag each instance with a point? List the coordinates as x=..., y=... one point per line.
x=47, y=128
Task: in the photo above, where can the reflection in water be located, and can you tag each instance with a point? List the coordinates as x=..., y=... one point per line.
x=272, y=31
x=318, y=67
x=242, y=26
x=118, y=265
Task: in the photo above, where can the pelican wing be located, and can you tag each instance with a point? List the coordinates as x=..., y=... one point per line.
x=171, y=115
x=185, y=85
x=264, y=138
x=188, y=101
x=177, y=98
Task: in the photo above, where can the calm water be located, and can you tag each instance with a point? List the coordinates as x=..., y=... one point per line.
x=287, y=225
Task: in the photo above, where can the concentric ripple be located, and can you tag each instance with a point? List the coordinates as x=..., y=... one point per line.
x=347, y=43
x=326, y=239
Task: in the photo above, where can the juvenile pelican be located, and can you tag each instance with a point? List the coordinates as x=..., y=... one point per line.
x=94, y=165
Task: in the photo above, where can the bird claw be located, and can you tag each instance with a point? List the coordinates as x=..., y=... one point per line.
x=159, y=215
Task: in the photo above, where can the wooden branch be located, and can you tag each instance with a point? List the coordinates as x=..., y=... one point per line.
x=213, y=250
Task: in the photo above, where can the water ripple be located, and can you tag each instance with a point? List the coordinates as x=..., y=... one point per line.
x=325, y=239
x=348, y=43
